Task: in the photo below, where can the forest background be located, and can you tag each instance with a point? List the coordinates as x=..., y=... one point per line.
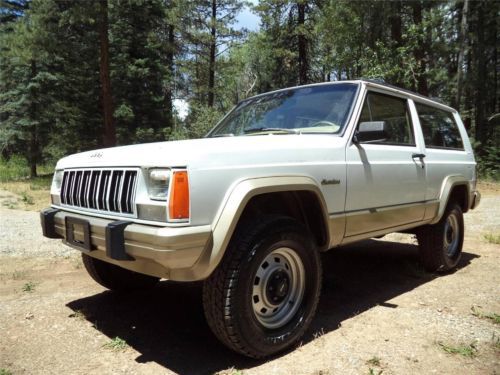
x=80, y=75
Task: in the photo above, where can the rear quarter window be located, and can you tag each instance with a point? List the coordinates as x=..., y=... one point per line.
x=439, y=128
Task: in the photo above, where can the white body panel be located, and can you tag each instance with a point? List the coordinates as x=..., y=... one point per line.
x=380, y=176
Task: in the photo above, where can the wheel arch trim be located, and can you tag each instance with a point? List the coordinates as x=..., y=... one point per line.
x=234, y=204
x=449, y=183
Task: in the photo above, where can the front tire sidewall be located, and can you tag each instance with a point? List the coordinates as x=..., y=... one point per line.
x=274, y=340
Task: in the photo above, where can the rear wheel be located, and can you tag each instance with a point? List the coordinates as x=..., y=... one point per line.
x=441, y=244
x=264, y=294
x=116, y=278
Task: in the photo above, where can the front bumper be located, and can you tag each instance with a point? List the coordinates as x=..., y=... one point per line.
x=175, y=253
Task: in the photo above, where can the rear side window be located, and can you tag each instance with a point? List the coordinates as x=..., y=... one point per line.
x=439, y=128
x=392, y=110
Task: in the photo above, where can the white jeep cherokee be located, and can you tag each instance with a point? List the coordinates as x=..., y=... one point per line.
x=247, y=209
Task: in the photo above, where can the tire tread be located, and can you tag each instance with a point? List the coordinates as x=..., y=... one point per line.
x=220, y=287
x=430, y=239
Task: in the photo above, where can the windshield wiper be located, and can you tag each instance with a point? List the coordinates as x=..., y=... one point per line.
x=283, y=130
x=222, y=135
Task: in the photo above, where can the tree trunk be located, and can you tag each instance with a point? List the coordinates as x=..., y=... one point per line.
x=211, y=64
x=481, y=77
x=396, y=36
x=468, y=94
x=170, y=66
x=495, y=105
x=302, y=44
x=419, y=52
x=396, y=33
x=33, y=142
x=461, y=53
x=107, y=103
x=358, y=68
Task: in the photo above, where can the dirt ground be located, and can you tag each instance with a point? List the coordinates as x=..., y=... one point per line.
x=379, y=312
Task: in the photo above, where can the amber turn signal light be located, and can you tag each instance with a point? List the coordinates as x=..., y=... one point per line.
x=178, y=206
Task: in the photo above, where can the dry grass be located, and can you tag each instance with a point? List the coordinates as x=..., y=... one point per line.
x=116, y=344
x=488, y=187
x=469, y=351
x=492, y=238
x=30, y=195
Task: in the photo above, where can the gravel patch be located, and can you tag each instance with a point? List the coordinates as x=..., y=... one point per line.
x=21, y=236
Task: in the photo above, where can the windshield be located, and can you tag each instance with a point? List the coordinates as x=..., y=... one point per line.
x=314, y=109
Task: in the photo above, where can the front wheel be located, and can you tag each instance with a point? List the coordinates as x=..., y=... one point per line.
x=116, y=278
x=441, y=244
x=264, y=294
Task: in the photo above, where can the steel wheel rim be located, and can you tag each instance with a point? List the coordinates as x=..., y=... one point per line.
x=278, y=288
x=451, y=235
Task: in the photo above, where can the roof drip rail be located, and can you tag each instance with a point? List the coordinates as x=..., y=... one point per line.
x=374, y=80
x=439, y=100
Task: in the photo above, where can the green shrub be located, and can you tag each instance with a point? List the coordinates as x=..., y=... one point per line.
x=16, y=168
x=201, y=119
x=488, y=161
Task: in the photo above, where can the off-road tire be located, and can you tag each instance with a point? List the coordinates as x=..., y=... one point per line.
x=228, y=297
x=432, y=239
x=116, y=278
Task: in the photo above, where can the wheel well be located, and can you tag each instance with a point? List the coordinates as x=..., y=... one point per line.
x=303, y=206
x=459, y=194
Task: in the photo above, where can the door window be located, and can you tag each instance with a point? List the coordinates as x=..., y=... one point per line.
x=394, y=111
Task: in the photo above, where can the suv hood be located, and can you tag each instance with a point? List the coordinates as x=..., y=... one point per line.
x=209, y=152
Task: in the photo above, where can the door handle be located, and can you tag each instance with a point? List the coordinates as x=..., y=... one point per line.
x=420, y=156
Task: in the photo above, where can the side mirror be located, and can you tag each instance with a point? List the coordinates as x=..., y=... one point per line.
x=371, y=132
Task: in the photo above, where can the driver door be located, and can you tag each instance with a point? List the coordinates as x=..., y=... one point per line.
x=386, y=178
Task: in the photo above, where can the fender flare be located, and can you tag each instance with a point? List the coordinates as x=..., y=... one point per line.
x=232, y=207
x=447, y=186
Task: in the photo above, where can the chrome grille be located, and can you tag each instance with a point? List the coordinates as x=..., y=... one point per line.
x=111, y=190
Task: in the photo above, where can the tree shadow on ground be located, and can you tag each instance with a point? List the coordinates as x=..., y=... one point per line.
x=166, y=324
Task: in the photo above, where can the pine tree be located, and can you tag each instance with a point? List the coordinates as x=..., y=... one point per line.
x=211, y=34
x=141, y=61
x=106, y=94
x=28, y=86
x=288, y=30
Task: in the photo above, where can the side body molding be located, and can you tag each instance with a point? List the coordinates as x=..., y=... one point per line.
x=234, y=204
x=448, y=184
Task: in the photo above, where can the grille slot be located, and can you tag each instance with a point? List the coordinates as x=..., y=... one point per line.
x=109, y=190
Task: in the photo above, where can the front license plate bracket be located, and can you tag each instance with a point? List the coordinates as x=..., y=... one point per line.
x=71, y=223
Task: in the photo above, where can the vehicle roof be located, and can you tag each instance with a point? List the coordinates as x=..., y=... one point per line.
x=370, y=83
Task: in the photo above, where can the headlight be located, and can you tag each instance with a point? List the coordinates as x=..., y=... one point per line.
x=158, y=182
x=57, y=180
